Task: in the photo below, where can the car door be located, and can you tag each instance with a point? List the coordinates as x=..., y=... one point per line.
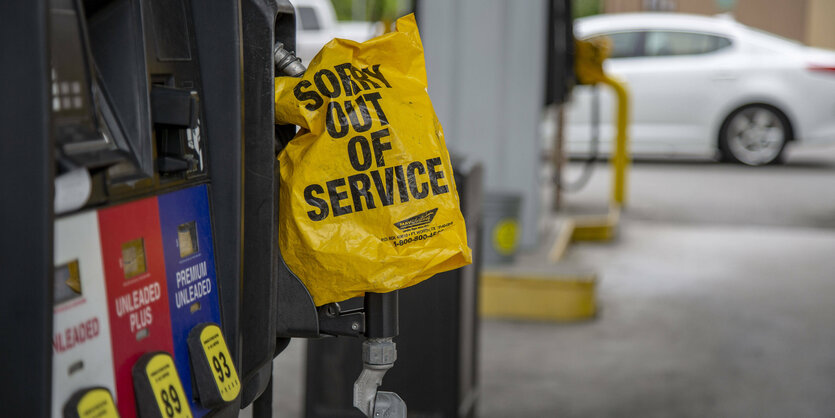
x=675, y=85
x=675, y=78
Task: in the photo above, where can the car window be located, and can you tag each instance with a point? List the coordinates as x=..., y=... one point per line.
x=308, y=18
x=666, y=43
x=624, y=44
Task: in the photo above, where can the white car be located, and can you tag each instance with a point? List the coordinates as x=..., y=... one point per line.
x=316, y=25
x=701, y=85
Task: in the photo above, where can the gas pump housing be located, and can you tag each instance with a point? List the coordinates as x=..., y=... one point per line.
x=138, y=168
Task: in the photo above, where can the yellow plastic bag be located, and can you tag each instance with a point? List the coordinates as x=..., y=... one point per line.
x=367, y=199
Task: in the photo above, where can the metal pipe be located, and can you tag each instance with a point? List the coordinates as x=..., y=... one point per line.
x=379, y=352
x=382, y=315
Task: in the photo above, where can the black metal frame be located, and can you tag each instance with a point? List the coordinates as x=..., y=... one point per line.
x=559, y=45
x=26, y=209
x=258, y=286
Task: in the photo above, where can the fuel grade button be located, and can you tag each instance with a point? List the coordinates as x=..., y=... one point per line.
x=214, y=371
x=159, y=391
x=94, y=402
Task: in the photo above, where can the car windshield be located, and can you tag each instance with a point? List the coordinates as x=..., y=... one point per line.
x=624, y=44
x=308, y=18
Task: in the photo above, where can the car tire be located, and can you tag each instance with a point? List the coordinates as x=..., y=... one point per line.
x=754, y=135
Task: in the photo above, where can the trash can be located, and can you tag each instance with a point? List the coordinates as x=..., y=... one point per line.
x=501, y=227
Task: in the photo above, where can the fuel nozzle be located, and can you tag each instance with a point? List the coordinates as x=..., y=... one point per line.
x=286, y=62
x=379, y=352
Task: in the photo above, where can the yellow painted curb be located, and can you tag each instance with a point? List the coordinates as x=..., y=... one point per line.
x=585, y=228
x=542, y=298
x=596, y=228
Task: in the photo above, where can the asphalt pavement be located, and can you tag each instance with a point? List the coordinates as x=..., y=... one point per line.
x=716, y=300
x=799, y=193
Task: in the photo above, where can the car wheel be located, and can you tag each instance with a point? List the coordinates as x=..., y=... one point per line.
x=754, y=135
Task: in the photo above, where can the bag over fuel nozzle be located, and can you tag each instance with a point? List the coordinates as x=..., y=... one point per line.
x=380, y=311
x=368, y=202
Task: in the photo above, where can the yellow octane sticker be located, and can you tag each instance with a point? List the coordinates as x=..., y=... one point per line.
x=97, y=403
x=504, y=236
x=217, y=353
x=167, y=387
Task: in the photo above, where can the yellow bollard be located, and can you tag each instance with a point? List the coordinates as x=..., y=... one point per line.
x=620, y=157
x=588, y=67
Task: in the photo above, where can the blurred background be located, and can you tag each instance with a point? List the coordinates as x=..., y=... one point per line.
x=692, y=278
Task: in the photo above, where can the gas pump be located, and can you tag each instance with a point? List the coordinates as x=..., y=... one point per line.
x=139, y=214
x=149, y=288
x=135, y=250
